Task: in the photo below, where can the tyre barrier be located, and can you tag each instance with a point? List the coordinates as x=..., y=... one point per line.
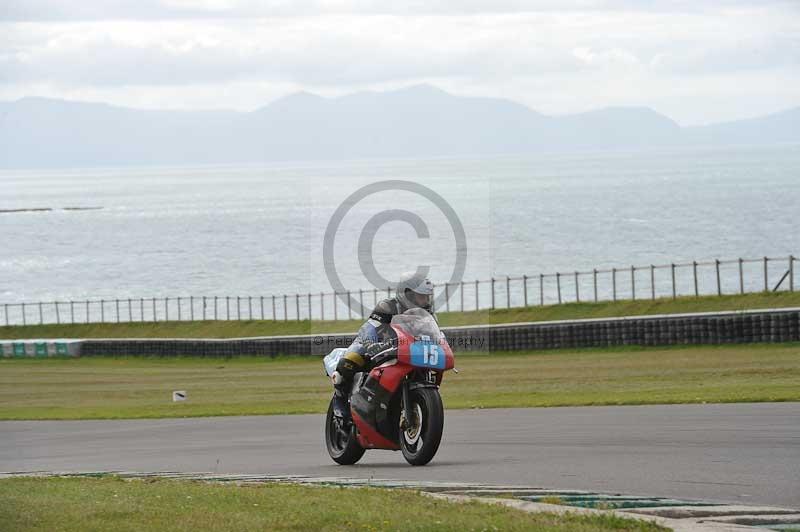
x=39, y=348
x=737, y=327
x=772, y=326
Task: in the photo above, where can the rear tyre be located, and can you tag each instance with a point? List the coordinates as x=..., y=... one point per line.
x=340, y=439
x=421, y=436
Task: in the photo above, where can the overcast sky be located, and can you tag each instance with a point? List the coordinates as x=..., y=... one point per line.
x=695, y=61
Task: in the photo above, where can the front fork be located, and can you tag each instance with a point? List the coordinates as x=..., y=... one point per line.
x=407, y=415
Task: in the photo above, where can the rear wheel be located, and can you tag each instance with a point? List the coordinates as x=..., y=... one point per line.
x=340, y=439
x=421, y=435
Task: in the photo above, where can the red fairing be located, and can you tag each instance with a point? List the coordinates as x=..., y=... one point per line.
x=369, y=438
x=390, y=377
x=450, y=360
x=404, y=341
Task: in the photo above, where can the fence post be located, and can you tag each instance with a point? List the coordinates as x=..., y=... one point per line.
x=614, y=283
x=23, y=314
x=238, y=308
x=155, y=318
x=116, y=304
x=179, y=309
x=558, y=286
x=335, y=308
x=361, y=301
x=228, y=308
x=141, y=309
x=191, y=308
x=87, y=311
x=766, y=275
x=652, y=282
x=508, y=292
x=594, y=283
x=322, y=306
x=5, y=310
x=791, y=273
x=741, y=276
x=674, y=290
x=541, y=289
x=447, y=296
x=102, y=311
x=58, y=318
x=297, y=306
x=41, y=314
x=130, y=310
x=493, y=293
x=719, y=283
x=525, y=289
x=309, y=306
x=694, y=273
x=461, y=289
x=215, y=307
x=166, y=309
x=477, y=301
x=71, y=312
x=250, y=308
x=285, y=310
x=577, y=289
x=633, y=283
x=274, y=318
x=262, y=307
x=349, y=307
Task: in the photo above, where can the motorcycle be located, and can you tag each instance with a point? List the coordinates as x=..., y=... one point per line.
x=395, y=403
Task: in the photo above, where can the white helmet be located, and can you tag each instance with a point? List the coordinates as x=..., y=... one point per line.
x=415, y=291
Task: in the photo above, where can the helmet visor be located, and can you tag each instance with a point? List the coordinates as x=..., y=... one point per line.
x=421, y=300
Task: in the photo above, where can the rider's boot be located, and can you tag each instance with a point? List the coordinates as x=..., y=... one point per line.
x=343, y=383
x=341, y=405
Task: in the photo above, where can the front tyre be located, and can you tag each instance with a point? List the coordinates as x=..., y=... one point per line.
x=420, y=436
x=340, y=439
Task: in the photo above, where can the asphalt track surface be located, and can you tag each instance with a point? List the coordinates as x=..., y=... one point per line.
x=738, y=453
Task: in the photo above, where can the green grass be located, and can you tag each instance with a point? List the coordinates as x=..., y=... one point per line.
x=142, y=387
x=101, y=504
x=231, y=329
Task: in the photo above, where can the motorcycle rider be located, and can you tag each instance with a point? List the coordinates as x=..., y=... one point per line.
x=412, y=291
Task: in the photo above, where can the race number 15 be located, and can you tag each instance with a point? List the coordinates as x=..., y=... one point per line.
x=430, y=354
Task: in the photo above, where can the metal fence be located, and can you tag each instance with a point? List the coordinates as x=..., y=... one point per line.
x=717, y=277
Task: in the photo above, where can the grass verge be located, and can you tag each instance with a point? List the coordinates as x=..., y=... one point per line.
x=88, y=504
x=233, y=329
x=100, y=388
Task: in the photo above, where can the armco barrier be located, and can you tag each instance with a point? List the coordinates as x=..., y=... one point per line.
x=759, y=326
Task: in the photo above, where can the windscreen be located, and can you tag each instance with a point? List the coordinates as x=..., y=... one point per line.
x=419, y=323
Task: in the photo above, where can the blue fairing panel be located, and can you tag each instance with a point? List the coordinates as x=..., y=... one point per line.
x=428, y=355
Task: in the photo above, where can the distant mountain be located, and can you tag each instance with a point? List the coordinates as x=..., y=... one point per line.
x=777, y=127
x=418, y=121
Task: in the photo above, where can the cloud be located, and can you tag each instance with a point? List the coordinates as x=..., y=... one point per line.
x=314, y=51
x=347, y=50
x=553, y=56
x=69, y=10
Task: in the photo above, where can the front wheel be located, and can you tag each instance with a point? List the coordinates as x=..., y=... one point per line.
x=420, y=436
x=340, y=439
